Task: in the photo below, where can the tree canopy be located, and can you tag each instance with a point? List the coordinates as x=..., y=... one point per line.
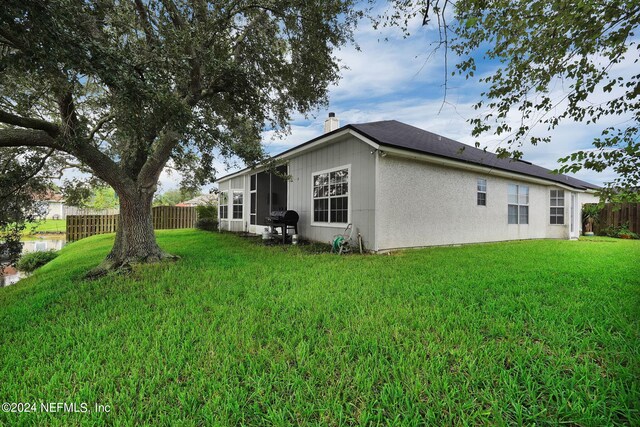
x=554, y=61
x=119, y=89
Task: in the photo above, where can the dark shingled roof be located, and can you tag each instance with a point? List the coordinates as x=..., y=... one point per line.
x=392, y=133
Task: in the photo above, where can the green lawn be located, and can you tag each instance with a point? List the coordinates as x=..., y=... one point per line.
x=544, y=332
x=47, y=226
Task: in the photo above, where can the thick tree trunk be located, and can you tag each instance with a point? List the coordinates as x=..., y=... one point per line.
x=135, y=240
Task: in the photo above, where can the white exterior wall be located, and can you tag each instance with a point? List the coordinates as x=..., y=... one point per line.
x=55, y=209
x=350, y=152
x=424, y=204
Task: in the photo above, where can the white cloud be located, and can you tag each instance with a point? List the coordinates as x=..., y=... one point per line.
x=385, y=68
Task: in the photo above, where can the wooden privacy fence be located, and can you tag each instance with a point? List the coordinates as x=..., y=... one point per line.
x=615, y=215
x=164, y=218
x=173, y=217
x=81, y=226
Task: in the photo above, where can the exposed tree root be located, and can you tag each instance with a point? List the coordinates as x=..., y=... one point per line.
x=125, y=265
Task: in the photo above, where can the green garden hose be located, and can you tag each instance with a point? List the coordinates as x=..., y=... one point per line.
x=337, y=242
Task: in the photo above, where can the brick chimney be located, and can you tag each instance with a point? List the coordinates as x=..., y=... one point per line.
x=331, y=123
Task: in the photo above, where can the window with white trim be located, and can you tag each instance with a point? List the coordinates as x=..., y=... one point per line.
x=518, y=204
x=481, y=198
x=556, y=214
x=224, y=205
x=331, y=196
x=238, y=197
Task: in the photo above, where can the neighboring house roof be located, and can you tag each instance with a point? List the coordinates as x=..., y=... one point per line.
x=50, y=197
x=392, y=133
x=204, y=199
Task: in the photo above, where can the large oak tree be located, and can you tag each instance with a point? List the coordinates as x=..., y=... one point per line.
x=121, y=88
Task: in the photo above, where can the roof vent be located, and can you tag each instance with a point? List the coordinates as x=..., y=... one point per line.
x=331, y=123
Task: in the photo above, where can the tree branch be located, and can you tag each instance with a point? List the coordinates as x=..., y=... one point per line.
x=237, y=43
x=26, y=122
x=174, y=13
x=68, y=114
x=10, y=39
x=27, y=138
x=145, y=22
x=37, y=170
x=152, y=168
x=99, y=125
x=101, y=164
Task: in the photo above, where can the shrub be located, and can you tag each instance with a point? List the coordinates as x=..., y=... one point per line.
x=207, y=224
x=33, y=260
x=620, y=232
x=207, y=211
x=590, y=216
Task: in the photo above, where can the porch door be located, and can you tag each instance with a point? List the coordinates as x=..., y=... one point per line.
x=267, y=192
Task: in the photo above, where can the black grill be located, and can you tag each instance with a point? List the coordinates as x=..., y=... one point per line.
x=284, y=220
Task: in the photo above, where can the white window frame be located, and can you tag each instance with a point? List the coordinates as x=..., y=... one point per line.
x=254, y=192
x=481, y=192
x=223, y=194
x=552, y=206
x=231, y=204
x=519, y=204
x=349, y=195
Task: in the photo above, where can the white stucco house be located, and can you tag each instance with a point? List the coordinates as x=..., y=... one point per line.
x=54, y=205
x=401, y=186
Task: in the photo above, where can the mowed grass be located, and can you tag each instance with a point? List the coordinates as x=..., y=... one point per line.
x=46, y=226
x=543, y=332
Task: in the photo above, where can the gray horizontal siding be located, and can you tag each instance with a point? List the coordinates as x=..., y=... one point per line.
x=352, y=152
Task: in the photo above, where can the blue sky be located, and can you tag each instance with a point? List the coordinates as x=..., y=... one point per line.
x=400, y=79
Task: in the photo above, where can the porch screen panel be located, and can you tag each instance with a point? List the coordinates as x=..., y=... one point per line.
x=253, y=208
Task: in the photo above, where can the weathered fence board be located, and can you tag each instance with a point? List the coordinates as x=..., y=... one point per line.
x=619, y=214
x=164, y=217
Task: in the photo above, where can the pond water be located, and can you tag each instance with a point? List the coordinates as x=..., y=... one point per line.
x=39, y=243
